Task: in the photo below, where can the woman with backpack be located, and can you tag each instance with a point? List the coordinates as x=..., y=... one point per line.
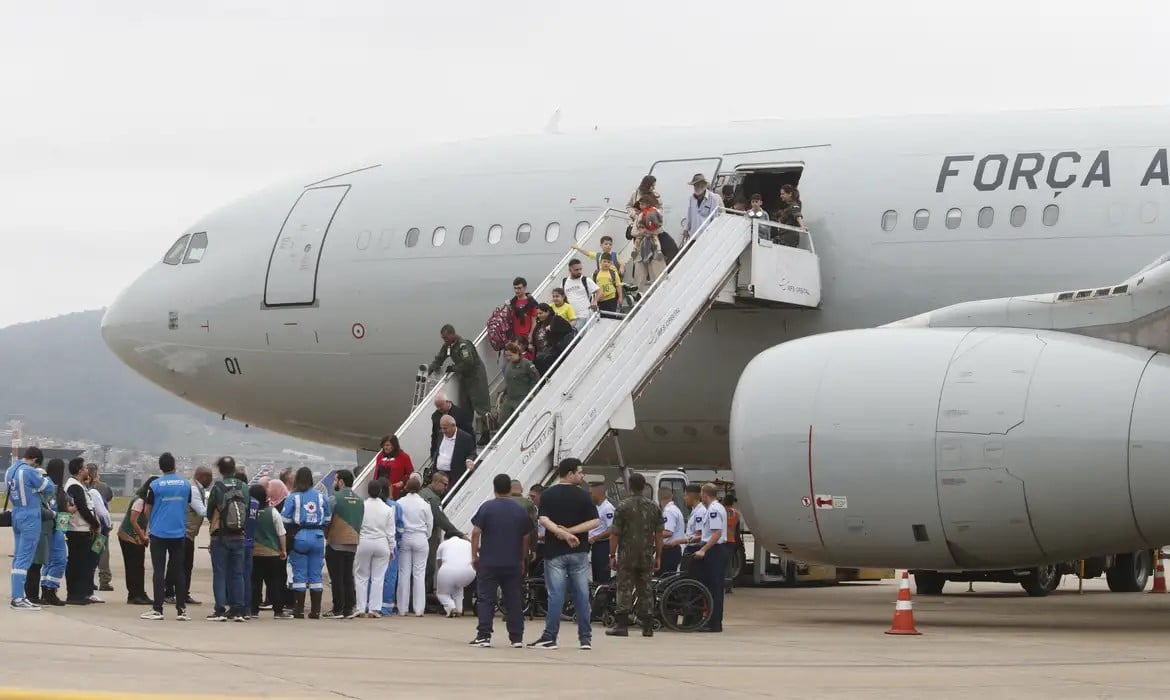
x=306, y=513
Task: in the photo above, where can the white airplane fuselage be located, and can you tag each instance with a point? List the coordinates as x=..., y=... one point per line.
x=339, y=369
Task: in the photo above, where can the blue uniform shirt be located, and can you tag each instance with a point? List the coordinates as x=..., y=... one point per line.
x=168, y=498
x=307, y=510
x=24, y=484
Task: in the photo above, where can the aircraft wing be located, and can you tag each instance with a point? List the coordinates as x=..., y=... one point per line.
x=1135, y=311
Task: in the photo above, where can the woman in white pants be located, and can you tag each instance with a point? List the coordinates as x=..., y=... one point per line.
x=412, y=554
x=454, y=573
x=375, y=550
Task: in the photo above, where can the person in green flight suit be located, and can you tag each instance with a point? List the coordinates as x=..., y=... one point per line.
x=635, y=542
x=466, y=363
x=433, y=495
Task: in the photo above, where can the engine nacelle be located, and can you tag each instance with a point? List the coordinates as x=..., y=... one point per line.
x=957, y=448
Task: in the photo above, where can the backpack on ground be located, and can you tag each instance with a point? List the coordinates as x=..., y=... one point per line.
x=233, y=516
x=498, y=326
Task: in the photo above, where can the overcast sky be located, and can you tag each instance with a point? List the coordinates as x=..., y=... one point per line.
x=122, y=121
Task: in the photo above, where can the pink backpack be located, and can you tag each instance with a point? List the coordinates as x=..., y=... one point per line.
x=498, y=326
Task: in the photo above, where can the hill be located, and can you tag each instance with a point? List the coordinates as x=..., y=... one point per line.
x=59, y=376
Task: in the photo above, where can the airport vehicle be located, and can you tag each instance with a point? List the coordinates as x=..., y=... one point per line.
x=306, y=309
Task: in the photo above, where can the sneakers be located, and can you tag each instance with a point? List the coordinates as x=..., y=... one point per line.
x=586, y=645
x=334, y=615
x=93, y=598
x=192, y=601
x=49, y=597
x=216, y=617
x=516, y=645
x=481, y=642
x=283, y=615
x=237, y=618
x=266, y=606
x=153, y=615
x=23, y=604
x=350, y=615
x=543, y=643
x=169, y=600
x=105, y=587
x=183, y=616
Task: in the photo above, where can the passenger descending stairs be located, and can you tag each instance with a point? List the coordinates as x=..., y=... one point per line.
x=590, y=390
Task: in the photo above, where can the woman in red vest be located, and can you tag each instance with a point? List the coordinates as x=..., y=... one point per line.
x=393, y=464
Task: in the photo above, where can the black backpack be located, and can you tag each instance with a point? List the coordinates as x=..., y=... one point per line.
x=233, y=516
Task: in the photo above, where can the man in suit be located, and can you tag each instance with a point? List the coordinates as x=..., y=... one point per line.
x=456, y=451
x=444, y=407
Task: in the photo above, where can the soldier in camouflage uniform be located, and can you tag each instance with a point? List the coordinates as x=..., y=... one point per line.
x=635, y=541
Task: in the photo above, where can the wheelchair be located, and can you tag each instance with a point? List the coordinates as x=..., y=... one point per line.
x=681, y=603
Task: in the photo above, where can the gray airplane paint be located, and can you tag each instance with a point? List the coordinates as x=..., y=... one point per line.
x=311, y=371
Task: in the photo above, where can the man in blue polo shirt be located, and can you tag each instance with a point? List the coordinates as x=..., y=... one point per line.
x=166, y=508
x=25, y=484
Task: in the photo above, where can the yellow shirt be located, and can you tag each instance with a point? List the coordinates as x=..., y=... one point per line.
x=608, y=281
x=565, y=311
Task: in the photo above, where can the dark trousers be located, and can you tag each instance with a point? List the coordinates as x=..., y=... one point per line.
x=134, y=557
x=711, y=572
x=78, y=574
x=166, y=556
x=188, y=557
x=610, y=305
x=671, y=557
x=508, y=580
x=32, y=583
x=270, y=572
x=599, y=559
x=340, y=566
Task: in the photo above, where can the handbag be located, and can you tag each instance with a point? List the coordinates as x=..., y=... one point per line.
x=6, y=515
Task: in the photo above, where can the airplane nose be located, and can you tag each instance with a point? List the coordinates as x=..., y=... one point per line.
x=142, y=332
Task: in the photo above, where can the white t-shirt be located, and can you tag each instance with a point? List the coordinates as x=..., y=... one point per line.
x=454, y=552
x=579, y=293
x=446, y=451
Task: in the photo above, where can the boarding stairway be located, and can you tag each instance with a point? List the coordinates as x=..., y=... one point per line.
x=590, y=390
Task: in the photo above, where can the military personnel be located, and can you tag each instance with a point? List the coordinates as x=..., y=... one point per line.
x=711, y=559
x=674, y=532
x=517, y=494
x=466, y=363
x=693, y=498
x=433, y=495
x=635, y=545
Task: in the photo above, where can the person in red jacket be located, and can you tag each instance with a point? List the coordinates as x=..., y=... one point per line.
x=393, y=464
x=523, y=309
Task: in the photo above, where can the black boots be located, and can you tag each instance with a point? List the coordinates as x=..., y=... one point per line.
x=315, y=602
x=49, y=597
x=621, y=628
x=648, y=628
x=298, y=605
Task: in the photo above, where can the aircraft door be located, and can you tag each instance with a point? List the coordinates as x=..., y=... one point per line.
x=673, y=184
x=296, y=254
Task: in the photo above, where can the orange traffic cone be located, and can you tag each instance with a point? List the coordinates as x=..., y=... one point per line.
x=1159, y=573
x=903, y=610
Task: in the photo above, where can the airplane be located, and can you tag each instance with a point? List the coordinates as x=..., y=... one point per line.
x=908, y=214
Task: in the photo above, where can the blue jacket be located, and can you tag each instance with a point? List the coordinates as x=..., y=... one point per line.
x=25, y=484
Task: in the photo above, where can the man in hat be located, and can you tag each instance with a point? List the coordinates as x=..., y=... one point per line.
x=699, y=206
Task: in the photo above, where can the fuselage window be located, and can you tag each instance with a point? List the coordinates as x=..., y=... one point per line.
x=523, y=233
x=986, y=217
x=954, y=218
x=495, y=233
x=921, y=219
x=175, y=255
x=552, y=232
x=196, y=249
x=889, y=220
x=1049, y=216
x=466, y=234
x=1019, y=215
x=412, y=237
x=439, y=236
x=582, y=229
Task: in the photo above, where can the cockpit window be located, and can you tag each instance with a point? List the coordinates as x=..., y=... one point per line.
x=195, y=250
x=175, y=255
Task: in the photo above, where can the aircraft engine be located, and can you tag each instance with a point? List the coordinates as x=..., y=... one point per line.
x=953, y=448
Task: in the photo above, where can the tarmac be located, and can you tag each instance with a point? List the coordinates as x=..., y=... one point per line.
x=825, y=642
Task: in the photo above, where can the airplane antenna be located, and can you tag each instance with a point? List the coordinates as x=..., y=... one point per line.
x=554, y=123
